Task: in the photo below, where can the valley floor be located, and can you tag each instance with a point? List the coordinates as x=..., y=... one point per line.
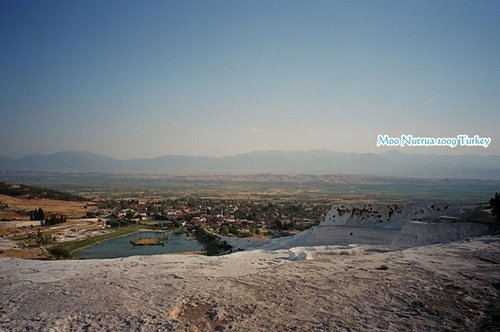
x=453, y=286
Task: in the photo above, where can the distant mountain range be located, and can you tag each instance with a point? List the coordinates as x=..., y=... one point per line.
x=276, y=162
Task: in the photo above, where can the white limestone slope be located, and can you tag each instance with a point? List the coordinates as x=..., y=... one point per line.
x=390, y=225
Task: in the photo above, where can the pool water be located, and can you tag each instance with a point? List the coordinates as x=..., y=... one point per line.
x=121, y=246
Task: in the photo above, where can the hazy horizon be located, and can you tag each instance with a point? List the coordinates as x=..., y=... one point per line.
x=146, y=79
x=379, y=152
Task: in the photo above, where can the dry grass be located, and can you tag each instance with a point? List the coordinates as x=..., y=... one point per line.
x=19, y=208
x=27, y=253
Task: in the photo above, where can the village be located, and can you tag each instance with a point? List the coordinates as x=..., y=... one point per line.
x=43, y=223
x=239, y=218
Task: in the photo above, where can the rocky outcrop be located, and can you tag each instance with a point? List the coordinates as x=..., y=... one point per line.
x=394, y=225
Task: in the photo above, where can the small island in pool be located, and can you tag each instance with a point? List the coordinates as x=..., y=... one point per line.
x=149, y=241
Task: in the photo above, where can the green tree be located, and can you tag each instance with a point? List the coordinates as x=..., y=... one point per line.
x=54, y=219
x=37, y=214
x=223, y=230
x=234, y=229
x=41, y=214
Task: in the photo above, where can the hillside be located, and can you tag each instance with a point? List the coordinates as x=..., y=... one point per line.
x=18, y=200
x=24, y=190
x=17, y=208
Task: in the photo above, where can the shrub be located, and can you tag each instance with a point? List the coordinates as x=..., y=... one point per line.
x=59, y=252
x=54, y=219
x=120, y=222
x=213, y=245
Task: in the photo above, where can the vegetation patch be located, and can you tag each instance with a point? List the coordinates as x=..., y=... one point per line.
x=213, y=244
x=149, y=241
x=59, y=252
x=36, y=192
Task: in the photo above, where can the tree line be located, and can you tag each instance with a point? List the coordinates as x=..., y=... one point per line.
x=53, y=219
x=32, y=192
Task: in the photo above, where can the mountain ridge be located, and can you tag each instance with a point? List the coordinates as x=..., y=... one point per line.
x=391, y=163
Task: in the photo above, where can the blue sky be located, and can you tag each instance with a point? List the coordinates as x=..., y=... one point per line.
x=147, y=78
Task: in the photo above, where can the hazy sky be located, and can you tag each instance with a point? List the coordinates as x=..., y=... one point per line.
x=147, y=78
